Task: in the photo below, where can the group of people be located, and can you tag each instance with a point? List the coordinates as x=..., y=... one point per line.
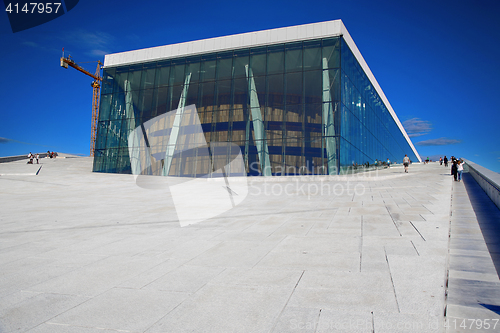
x=457, y=166
x=32, y=157
x=51, y=154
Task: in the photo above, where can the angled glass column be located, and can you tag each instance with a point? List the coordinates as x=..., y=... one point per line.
x=328, y=122
x=134, y=141
x=174, y=134
x=258, y=125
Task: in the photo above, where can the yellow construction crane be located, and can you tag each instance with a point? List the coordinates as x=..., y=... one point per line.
x=65, y=62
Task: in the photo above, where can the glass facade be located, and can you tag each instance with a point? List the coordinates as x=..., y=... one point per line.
x=294, y=108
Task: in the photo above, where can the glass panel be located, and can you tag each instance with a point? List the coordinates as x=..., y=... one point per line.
x=108, y=81
x=312, y=55
x=224, y=66
x=177, y=72
x=146, y=101
x=258, y=61
x=175, y=96
x=102, y=131
x=148, y=78
x=120, y=78
x=313, y=86
x=162, y=76
x=240, y=93
x=208, y=70
x=331, y=51
x=193, y=67
x=207, y=96
x=294, y=88
x=293, y=58
x=134, y=77
x=241, y=59
x=294, y=114
x=105, y=106
x=117, y=109
x=224, y=94
x=275, y=59
x=192, y=95
x=313, y=114
x=161, y=100
x=275, y=86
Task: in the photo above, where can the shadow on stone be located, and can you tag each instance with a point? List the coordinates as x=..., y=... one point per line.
x=488, y=217
x=494, y=308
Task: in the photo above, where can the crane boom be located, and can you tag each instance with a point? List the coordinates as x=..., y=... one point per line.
x=96, y=85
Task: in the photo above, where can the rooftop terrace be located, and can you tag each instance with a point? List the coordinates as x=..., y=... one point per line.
x=381, y=251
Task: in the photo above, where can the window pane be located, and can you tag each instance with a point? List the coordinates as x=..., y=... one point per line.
x=293, y=59
x=134, y=77
x=224, y=94
x=294, y=88
x=312, y=56
x=241, y=60
x=331, y=52
x=193, y=67
x=105, y=106
x=313, y=85
x=208, y=70
x=207, y=94
x=275, y=89
x=224, y=66
x=107, y=81
x=162, y=76
x=148, y=78
x=275, y=60
x=240, y=93
x=177, y=74
x=258, y=61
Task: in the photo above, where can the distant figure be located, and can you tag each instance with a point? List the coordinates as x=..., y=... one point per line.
x=445, y=161
x=454, y=169
x=30, y=156
x=388, y=162
x=440, y=161
x=37, y=156
x=460, y=169
x=406, y=162
x=427, y=160
x=48, y=154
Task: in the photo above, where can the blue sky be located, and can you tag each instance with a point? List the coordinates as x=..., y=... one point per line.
x=436, y=61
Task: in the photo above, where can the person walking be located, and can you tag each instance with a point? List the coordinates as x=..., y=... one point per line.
x=37, y=156
x=406, y=162
x=460, y=169
x=445, y=160
x=454, y=170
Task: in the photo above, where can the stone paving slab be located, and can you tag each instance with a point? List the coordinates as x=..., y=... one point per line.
x=90, y=252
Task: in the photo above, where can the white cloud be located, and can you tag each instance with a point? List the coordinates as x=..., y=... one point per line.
x=417, y=127
x=439, y=142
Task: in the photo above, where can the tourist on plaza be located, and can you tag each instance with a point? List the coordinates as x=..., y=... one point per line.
x=445, y=160
x=37, y=157
x=454, y=169
x=30, y=156
x=427, y=160
x=460, y=169
x=440, y=161
x=406, y=162
x=388, y=162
